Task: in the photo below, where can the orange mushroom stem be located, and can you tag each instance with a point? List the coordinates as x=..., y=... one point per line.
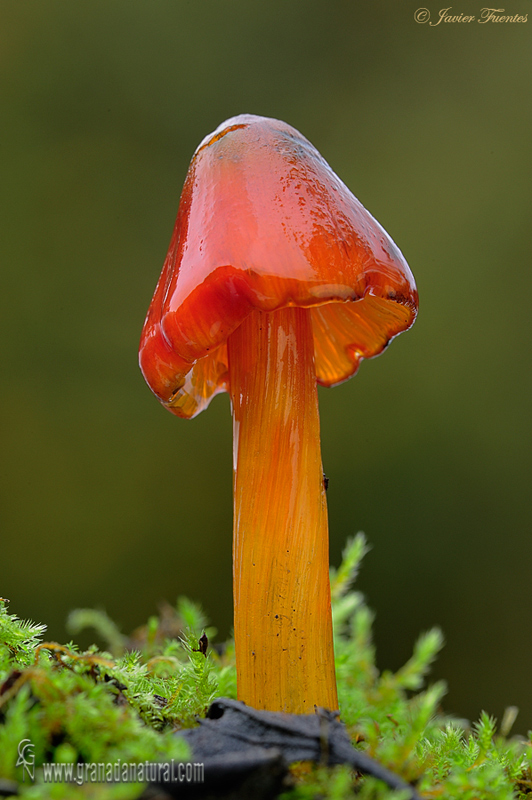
x=283, y=628
x=276, y=279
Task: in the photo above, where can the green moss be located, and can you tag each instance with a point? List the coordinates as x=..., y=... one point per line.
x=123, y=706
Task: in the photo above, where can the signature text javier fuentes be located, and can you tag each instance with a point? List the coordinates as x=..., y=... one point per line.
x=446, y=15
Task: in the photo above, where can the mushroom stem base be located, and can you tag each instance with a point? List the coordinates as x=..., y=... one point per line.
x=283, y=626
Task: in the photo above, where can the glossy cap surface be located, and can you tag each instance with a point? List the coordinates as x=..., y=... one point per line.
x=265, y=223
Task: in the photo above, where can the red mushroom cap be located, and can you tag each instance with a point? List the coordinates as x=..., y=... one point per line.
x=265, y=223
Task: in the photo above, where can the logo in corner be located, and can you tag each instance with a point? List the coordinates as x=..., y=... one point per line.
x=26, y=758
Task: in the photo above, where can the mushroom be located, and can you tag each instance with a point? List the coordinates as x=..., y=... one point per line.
x=276, y=279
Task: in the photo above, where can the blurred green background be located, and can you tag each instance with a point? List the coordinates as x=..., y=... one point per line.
x=106, y=499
